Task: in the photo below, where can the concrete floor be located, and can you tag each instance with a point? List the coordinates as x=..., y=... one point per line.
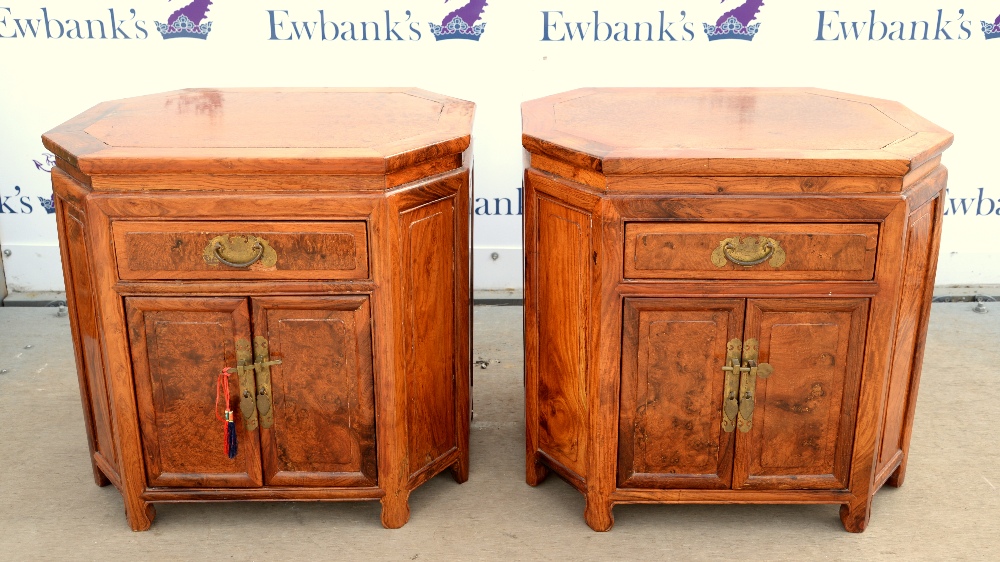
x=51, y=509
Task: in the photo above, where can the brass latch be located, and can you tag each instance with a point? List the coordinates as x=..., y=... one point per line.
x=263, y=365
x=730, y=403
x=738, y=405
x=255, y=395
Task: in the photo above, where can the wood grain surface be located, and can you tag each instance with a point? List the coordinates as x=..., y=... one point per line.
x=629, y=193
x=729, y=132
x=670, y=419
x=176, y=250
x=374, y=345
x=288, y=130
x=323, y=391
x=812, y=251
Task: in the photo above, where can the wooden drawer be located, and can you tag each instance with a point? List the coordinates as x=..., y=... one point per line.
x=254, y=250
x=750, y=251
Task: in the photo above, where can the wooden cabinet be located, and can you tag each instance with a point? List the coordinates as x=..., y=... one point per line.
x=309, y=246
x=726, y=294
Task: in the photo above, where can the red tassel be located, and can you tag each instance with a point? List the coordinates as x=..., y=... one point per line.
x=230, y=445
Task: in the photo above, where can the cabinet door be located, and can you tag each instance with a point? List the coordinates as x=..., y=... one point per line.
x=323, y=391
x=803, y=418
x=670, y=420
x=179, y=346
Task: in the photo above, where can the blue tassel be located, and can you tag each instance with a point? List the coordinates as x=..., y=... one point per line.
x=232, y=447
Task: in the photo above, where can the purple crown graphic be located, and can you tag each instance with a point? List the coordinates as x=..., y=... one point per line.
x=461, y=24
x=736, y=23
x=187, y=22
x=991, y=30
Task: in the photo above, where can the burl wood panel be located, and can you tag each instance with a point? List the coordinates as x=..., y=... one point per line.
x=88, y=346
x=812, y=251
x=563, y=273
x=429, y=267
x=323, y=391
x=911, y=308
x=670, y=421
x=179, y=346
x=803, y=420
x=304, y=250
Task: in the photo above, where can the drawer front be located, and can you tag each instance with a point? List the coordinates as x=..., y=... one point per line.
x=750, y=251
x=241, y=250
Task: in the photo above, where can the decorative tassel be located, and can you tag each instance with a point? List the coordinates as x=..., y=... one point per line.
x=230, y=445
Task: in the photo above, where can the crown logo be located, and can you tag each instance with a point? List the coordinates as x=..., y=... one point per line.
x=48, y=203
x=188, y=21
x=991, y=30
x=184, y=27
x=736, y=23
x=731, y=29
x=461, y=24
x=458, y=29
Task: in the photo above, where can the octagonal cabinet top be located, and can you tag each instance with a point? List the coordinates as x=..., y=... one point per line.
x=729, y=131
x=262, y=131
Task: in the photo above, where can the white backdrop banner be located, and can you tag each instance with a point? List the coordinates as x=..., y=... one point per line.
x=60, y=57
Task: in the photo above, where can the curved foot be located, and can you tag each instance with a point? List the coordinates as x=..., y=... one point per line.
x=460, y=471
x=598, y=515
x=142, y=518
x=395, y=510
x=855, y=517
x=536, y=473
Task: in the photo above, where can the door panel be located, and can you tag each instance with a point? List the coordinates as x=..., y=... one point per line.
x=179, y=346
x=323, y=391
x=804, y=411
x=671, y=432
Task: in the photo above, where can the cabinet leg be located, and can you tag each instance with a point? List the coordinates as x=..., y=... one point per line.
x=598, y=515
x=896, y=479
x=855, y=515
x=396, y=510
x=536, y=472
x=99, y=478
x=460, y=470
x=141, y=516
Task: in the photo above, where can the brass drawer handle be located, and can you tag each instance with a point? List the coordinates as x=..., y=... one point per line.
x=239, y=251
x=748, y=252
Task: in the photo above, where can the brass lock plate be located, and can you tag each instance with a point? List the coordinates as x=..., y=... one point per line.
x=262, y=365
x=730, y=399
x=244, y=371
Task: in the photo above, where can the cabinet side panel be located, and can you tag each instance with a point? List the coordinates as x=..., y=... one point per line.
x=670, y=430
x=81, y=298
x=323, y=391
x=911, y=310
x=429, y=317
x=562, y=270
